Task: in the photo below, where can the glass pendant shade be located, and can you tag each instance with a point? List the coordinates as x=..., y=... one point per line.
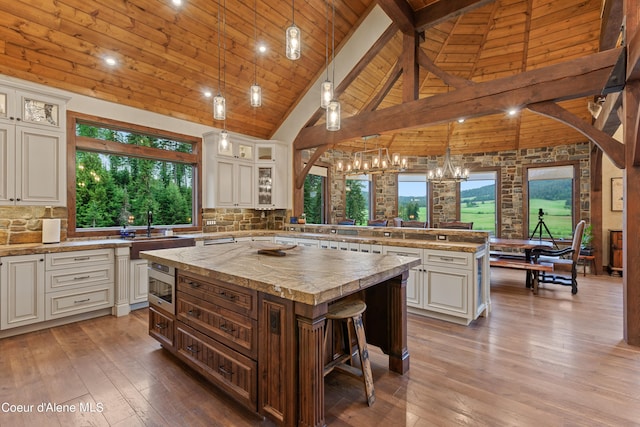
x=326, y=93
x=219, y=107
x=333, y=115
x=256, y=95
x=293, y=42
x=224, y=140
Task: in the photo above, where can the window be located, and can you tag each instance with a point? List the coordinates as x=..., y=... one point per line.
x=550, y=202
x=315, y=185
x=412, y=197
x=358, y=203
x=478, y=201
x=124, y=171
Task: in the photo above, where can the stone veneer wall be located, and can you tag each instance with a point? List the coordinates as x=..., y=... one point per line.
x=243, y=219
x=23, y=224
x=444, y=195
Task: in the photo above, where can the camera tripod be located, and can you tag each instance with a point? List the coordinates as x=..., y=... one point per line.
x=540, y=226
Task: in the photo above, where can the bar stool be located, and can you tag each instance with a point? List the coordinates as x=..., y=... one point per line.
x=349, y=315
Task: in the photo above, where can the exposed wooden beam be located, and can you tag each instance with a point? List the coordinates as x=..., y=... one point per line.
x=439, y=12
x=633, y=58
x=567, y=80
x=611, y=25
x=611, y=147
x=303, y=173
x=400, y=13
x=609, y=120
x=410, y=69
x=392, y=78
x=451, y=80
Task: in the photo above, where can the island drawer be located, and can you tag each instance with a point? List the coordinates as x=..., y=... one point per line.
x=161, y=327
x=233, y=329
x=234, y=373
x=234, y=298
x=449, y=258
x=67, y=303
x=78, y=259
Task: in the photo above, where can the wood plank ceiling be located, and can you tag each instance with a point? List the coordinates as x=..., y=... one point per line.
x=168, y=56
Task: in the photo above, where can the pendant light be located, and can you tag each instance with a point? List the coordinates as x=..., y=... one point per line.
x=333, y=108
x=255, y=92
x=448, y=172
x=293, y=37
x=219, y=103
x=326, y=89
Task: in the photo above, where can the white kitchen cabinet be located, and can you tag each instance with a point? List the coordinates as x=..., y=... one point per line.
x=78, y=282
x=415, y=280
x=233, y=184
x=272, y=169
x=139, y=283
x=22, y=282
x=32, y=148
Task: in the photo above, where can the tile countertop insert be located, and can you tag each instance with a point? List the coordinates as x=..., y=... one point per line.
x=308, y=275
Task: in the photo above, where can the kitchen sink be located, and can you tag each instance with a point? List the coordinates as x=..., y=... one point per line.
x=144, y=243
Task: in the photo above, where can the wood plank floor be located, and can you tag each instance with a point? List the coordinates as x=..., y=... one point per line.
x=552, y=359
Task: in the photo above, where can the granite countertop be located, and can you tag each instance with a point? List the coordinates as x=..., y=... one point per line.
x=308, y=275
x=66, y=246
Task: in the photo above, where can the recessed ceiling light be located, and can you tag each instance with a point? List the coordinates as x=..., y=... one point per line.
x=207, y=94
x=461, y=120
x=513, y=111
x=177, y=2
x=262, y=48
x=111, y=61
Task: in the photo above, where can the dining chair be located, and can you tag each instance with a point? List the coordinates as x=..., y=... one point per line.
x=377, y=222
x=456, y=225
x=397, y=222
x=562, y=259
x=415, y=224
x=347, y=221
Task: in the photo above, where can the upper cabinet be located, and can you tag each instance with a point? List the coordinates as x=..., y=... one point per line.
x=242, y=173
x=32, y=148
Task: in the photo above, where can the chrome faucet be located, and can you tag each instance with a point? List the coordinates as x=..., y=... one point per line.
x=149, y=220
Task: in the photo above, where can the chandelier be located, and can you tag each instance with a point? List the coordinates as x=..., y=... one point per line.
x=448, y=172
x=372, y=161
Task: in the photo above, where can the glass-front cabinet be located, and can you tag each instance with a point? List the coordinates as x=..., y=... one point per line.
x=238, y=150
x=265, y=153
x=265, y=187
x=31, y=109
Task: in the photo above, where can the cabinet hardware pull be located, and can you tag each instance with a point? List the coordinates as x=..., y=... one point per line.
x=192, y=349
x=224, y=371
x=228, y=330
x=193, y=312
x=82, y=300
x=161, y=325
x=81, y=258
x=194, y=284
x=231, y=297
x=81, y=277
x=446, y=259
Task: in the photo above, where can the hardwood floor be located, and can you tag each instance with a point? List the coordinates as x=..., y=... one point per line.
x=552, y=359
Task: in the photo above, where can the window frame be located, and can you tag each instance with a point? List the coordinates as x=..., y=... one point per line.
x=497, y=172
x=80, y=143
x=372, y=197
x=575, y=203
x=326, y=195
x=429, y=190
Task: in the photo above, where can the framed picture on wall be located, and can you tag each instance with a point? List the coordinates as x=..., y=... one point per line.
x=616, y=194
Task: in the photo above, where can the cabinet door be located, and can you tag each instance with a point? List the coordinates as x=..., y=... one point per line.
x=447, y=290
x=265, y=187
x=7, y=164
x=40, y=167
x=139, y=289
x=244, y=188
x=225, y=181
x=414, y=282
x=21, y=290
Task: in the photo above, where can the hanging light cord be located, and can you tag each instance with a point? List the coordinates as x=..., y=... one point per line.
x=333, y=43
x=255, y=42
x=219, y=56
x=326, y=37
x=224, y=35
x=293, y=12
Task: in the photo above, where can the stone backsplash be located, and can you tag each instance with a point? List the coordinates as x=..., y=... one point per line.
x=23, y=224
x=224, y=220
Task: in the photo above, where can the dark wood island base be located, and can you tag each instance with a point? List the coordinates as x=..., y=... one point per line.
x=266, y=351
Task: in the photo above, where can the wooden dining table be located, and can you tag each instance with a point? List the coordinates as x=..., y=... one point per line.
x=525, y=245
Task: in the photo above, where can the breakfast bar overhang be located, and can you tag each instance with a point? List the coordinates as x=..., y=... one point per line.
x=290, y=296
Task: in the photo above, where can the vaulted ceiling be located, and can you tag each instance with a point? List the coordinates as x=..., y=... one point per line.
x=168, y=56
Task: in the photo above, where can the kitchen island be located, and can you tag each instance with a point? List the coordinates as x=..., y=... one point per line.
x=254, y=324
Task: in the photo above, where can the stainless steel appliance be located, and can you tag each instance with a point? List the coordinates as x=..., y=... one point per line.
x=162, y=286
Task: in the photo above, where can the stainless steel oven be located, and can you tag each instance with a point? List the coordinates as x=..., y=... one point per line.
x=162, y=286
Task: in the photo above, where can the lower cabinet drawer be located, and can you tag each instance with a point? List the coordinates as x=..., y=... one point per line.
x=233, y=329
x=161, y=327
x=236, y=374
x=67, y=303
